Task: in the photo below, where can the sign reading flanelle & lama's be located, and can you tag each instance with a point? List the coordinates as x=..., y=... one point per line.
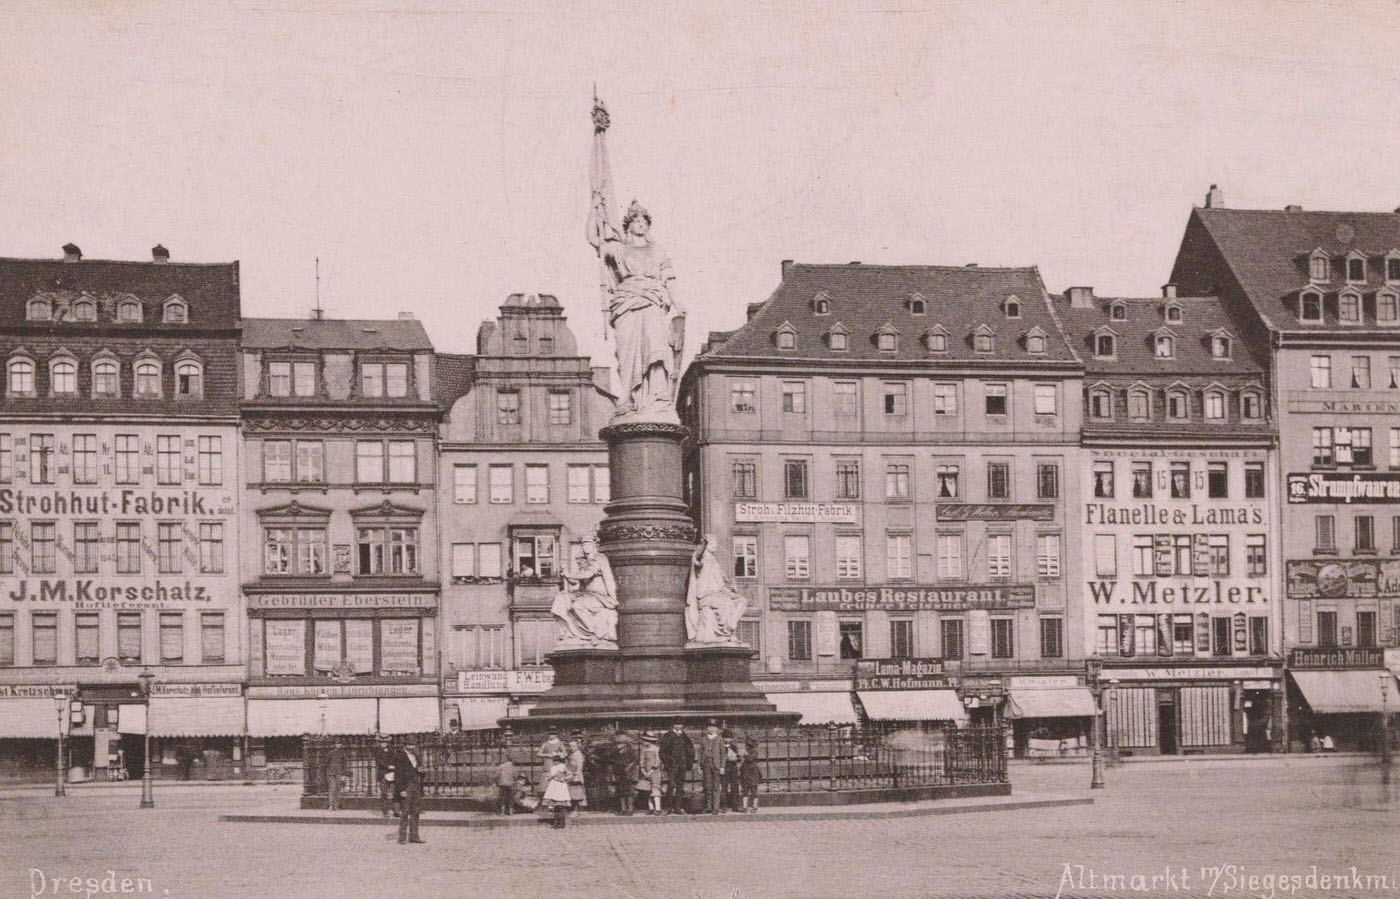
x=1344, y=487
x=902, y=674
x=818, y=513
x=901, y=599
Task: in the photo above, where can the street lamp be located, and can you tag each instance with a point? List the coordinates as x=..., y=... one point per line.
x=147, y=800
x=322, y=697
x=60, y=704
x=1385, y=726
x=1093, y=669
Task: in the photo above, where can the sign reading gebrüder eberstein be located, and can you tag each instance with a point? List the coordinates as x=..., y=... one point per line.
x=902, y=599
x=817, y=513
x=1333, y=487
x=902, y=674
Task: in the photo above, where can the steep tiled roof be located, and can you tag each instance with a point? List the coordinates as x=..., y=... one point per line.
x=211, y=290
x=1201, y=319
x=454, y=378
x=1268, y=250
x=864, y=299
x=335, y=334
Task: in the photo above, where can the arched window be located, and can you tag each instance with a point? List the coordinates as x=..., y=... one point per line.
x=1356, y=269
x=39, y=310
x=1165, y=347
x=1035, y=343
x=1118, y=312
x=1173, y=313
x=917, y=306
x=85, y=311
x=1100, y=403
x=1178, y=406
x=175, y=311
x=1349, y=307
x=21, y=377
x=1386, y=307
x=822, y=306
x=63, y=377
x=1319, y=268
x=147, y=378
x=787, y=340
x=1250, y=407
x=1013, y=308
x=1220, y=347
x=1215, y=405
x=128, y=311
x=1310, y=306
x=189, y=378
x=104, y=378
x=1103, y=345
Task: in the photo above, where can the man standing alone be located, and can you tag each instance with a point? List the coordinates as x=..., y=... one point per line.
x=677, y=757
x=712, y=758
x=337, y=766
x=408, y=781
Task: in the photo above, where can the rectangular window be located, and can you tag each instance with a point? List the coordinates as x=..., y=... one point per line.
x=795, y=397
x=797, y=551
x=795, y=478
x=7, y=459
x=950, y=565
x=1217, y=480
x=996, y=399
x=947, y=482
x=896, y=399
x=1139, y=405
x=41, y=459
x=1220, y=635
x=1325, y=529
x=1255, y=558
x=371, y=379
x=1108, y=644
x=898, y=556
x=85, y=632
x=386, y=550
x=44, y=628
x=999, y=555
x=536, y=639
x=1323, y=456
x=167, y=459
x=294, y=551
x=1365, y=526
x=1052, y=638
x=1254, y=480
x=561, y=407
x=1353, y=447
x=1047, y=480
x=1145, y=635
x=1105, y=555
x=1258, y=635
x=1144, y=556
x=7, y=639
x=277, y=461
x=172, y=638
x=211, y=460
x=1045, y=400
x=1327, y=629
x=1183, y=548
x=945, y=399
x=86, y=541
x=310, y=462
x=799, y=640
x=578, y=484
x=1366, y=629
x=896, y=481
x=742, y=396
x=169, y=543
x=463, y=560
x=507, y=407
x=128, y=547
x=1179, y=485
x=1361, y=372
x=43, y=537
x=1003, y=638
x=1142, y=480
x=1103, y=480
x=1218, y=546
x=901, y=638
x=129, y=636
x=211, y=547
x=1183, y=635
x=848, y=556
x=396, y=379
x=848, y=479
x=279, y=379
x=464, y=484
x=844, y=399
x=745, y=556
x=1321, y=370
x=304, y=378
x=128, y=459
x=211, y=637
x=84, y=458
x=403, y=462
x=369, y=461
x=852, y=639
x=488, y=560
x=1047, y=555
x=998, y=480
x=536, y=484
x=951, y=637
x=745, y=477
x=502, y=486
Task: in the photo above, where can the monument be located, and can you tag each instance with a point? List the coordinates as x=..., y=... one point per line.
x=648, y=622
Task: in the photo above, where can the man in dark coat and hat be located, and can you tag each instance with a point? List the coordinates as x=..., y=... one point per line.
x=677, y=758
x=408, y=783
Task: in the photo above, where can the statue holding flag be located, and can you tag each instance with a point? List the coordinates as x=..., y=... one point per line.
x=638, y=295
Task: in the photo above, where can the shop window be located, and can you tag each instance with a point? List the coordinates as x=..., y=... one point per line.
x=901, y=638
x=950, y=632
x=852, y=639
x=1003, y=638
x=799, y=640
x=745, y=552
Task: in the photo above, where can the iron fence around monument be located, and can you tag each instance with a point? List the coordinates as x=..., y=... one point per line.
x=792, y=760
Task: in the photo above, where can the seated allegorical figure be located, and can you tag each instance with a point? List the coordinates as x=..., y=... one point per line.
x=712, y=606
x=587, y=606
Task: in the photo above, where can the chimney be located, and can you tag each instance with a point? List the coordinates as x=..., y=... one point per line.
x=1080, y=297
x=1168, y=291
x=405, y=316
x=71, y=253
x=1215, y=198
x=160, y=255
x=787, y=267
x=1292, y=207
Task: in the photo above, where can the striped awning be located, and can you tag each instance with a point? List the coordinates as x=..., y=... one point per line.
x=815, y=707
x=913, y=705
x=204, y=716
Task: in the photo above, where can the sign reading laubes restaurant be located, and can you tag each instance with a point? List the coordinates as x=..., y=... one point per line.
x=901, y=599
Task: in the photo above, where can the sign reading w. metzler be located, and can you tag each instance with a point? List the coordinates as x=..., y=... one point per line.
x=902, y=599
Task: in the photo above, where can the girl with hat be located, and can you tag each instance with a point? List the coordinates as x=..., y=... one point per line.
x=649, y=781
x=556, y=792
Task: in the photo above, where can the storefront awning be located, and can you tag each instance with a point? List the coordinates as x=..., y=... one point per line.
x=913, y=705
x=131, y=719
x=28, y=718
x=480, y=713
x=1340, y=692
x=206, y=716
x=412, y=715
x=816, y=708
x=1065, y=702
x=295, y=717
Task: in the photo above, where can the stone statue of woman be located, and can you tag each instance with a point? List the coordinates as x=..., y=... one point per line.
x=587, y=606
x=712, y=606
x=639, y=295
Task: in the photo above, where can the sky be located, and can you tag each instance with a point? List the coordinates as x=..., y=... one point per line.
x=434, y=155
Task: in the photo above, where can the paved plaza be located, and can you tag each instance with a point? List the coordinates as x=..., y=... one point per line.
x=1251, y=817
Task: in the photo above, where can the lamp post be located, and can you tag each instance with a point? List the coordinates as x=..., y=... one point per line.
x=60, y=703
x=1385, y=727
x=322, y=697
x=147, y=800
x=1093, y=669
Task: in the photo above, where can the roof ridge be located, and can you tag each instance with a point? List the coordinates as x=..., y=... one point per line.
x=143, y=262
x=1296, y=212
x=917, y=265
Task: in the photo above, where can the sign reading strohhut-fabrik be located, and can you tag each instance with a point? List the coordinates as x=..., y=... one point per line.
x=901, y=674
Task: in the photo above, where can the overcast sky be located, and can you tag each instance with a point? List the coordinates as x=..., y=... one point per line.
x=435, y=156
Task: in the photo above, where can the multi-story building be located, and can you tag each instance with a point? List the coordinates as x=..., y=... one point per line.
x=525, y=478
x=1323, y=290
x=341, y=560
x=888, y=454
x=1179, y=523
x=118, y=484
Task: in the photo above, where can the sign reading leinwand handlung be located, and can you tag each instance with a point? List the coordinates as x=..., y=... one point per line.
x=1337, y=487
x=902, y=599
x=817, y=513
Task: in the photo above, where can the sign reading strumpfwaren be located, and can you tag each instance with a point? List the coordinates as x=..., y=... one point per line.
x=1344, y=487
x=902, y=599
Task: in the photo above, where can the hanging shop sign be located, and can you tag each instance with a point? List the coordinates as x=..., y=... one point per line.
x=901, y=599
x=1336, y=487
x=1328, y=579
x=795, y=513
x=1308, y=659
x=902, y=674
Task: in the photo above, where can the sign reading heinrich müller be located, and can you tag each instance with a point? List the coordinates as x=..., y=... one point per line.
x=1304, y=659
x=902, y=599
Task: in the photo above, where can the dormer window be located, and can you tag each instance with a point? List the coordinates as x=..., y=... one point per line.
x=1319, y=267
x=63, y=376
x=189, y=378
x=1356, y=268
x=85, y=311
x=838, y=338
x=147, y=378
x=129, y=310
x=1172, y=312
x=1035, y=343
x=1251, y=405
x=1310, y=306
x=1387, y=307
x=1178, y=405
x=821, y=304
x=1164, y=346
x=1349, y=307
x=887, y=339
x=1392, y=267
x=1012, y=307
x=983, y=340
x=785, y=338
x=104, y=377
x=1118, y=312
x=1139, y=404
x=917, y=306
x=39, y=310
x=379, y=379
x=1215, y=405
x=1220, y=347
x=936, y=340
x=1105, y=345
x=1100, y=403
x=20, y=377
x=175, y=311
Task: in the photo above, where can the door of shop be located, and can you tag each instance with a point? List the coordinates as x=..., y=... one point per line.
x=1258, y=710
x=1166, y=722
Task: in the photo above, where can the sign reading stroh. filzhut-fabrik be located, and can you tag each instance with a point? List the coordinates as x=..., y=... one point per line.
x=817, y=513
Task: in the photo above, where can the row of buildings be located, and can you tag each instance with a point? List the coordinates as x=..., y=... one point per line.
x=949, y=494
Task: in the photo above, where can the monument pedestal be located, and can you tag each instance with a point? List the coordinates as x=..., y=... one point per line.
x=652, y=677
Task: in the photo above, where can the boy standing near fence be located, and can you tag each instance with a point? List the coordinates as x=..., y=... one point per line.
x=505, y=787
